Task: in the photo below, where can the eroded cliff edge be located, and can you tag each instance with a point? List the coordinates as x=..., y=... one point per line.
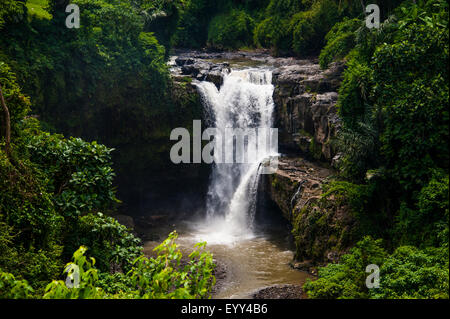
x=306, y=116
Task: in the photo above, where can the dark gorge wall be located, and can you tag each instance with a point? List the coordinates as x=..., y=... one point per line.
x=135, y=117
x=147, y=179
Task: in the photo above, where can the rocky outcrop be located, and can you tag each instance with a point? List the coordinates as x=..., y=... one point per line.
x=322, y=225
x=306, y=116
x=203, y=70
x=280, y=292
x=296, y=183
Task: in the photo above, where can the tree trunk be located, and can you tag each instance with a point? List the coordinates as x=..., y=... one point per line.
x=7, y=120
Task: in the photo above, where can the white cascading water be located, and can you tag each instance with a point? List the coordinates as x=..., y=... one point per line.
x=243, y=101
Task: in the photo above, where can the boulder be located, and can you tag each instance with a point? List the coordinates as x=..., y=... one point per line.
x=215, y=77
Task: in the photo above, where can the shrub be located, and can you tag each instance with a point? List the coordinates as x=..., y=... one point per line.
x=310, y=27
x=80, y=172
x=340, y=41
x=150, y=278
x=348, y=278
x=408, y=273
x=109, y=242
x=412, y=93
x=11, y=288
x=411, y=273
x=426, y=224
x=284, y=8
x=231, y=30
x=273, y=32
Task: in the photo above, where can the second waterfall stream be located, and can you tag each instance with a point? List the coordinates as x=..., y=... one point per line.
x=244, y=101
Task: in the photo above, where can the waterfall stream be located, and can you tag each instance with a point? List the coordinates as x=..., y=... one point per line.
x=254, y=251
x=244, y=101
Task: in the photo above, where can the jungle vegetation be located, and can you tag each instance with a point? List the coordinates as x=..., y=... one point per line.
x=108, y=83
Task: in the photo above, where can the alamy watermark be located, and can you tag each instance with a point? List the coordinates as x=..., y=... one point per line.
x=373, y=280
x=73, y=276
x=226, y=146
x=73, y=19
x=373, y=18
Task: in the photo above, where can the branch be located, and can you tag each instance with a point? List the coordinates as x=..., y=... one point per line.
x=7, y=124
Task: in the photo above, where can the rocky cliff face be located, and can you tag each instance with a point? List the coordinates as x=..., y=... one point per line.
x=306, y=116
x=322, y=225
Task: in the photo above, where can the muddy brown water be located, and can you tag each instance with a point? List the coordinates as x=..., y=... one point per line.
x=252, y=262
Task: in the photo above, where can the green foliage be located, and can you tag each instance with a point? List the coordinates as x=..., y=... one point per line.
x=109, y=83
x=27, y=212
x=310, y=27
x=11, y=11
x=109, y=242
x=412, y=92
x=165, y=277
x=340, y=41
x=88, y=277
x=273, y=32
x=80, y=172
x=286, y=26
x=150, y=278
x=394, y=105
x=348, y=194
x=192, y=31
x=18, y=104
x=50, y=187
x=11, y=288
x=361, y=148
x=115, y=284
x=348, y=278
x=354, y=92
x=231, y=31
x=7, y=253
x=36, y=8
x=160, y=17
x=393, y=102
x=427, y=223
x=410, y=273
x=407, y=273
x=284, y=8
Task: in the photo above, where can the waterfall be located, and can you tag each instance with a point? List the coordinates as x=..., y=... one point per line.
x=244, y=101
x=299, y=189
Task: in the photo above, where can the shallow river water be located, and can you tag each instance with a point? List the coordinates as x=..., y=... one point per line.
x=251, y=261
